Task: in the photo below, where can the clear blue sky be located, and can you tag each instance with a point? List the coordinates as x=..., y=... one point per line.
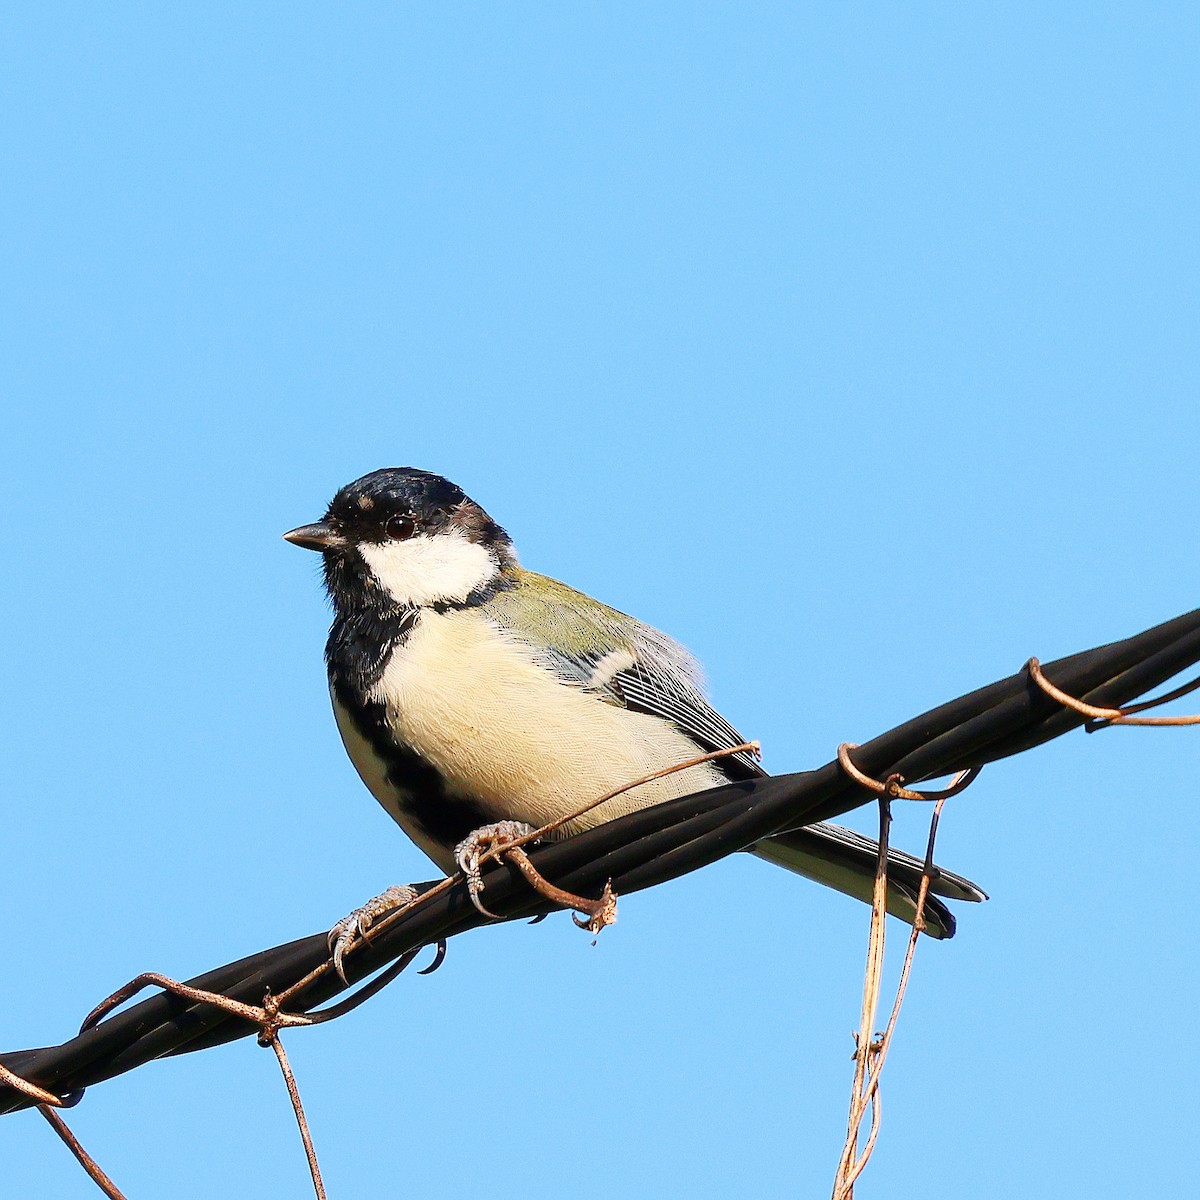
x=857, y=349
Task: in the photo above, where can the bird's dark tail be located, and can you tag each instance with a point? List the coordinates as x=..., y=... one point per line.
x=846, y=861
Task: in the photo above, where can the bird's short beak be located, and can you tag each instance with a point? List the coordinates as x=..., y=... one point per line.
x=320, y=536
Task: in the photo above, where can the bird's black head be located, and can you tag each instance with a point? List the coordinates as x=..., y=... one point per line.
x=404, y=537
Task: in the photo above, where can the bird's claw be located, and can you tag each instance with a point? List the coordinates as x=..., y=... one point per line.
x=471, y=849
x=356, y=925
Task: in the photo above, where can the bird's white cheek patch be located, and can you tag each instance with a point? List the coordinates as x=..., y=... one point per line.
x=424, y=569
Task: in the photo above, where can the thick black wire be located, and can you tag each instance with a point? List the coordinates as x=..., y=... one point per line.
x=636, y=851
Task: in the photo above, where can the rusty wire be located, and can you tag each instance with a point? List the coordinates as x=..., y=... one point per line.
x=599, y=912
x=865, y=1045
x=892, y=786
x=47, y=1103
x=1100, y=717
x=635, y=851
x=270, y=1037
x=95, y=1172
x=603, y=911
x=270, y=1016
x=871, y=1052
x=30, y=1089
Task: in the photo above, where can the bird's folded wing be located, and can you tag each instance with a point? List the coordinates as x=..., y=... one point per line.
x=594, y=647
x=588, y=645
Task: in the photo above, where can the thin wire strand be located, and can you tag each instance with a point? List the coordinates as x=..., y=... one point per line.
x=249, y=1012
x=310, y=1151
x=85, y=1160
x=892, y=785
x=872, y=979
x=885, y=1042
x=488, y=855
x=871, y=1056
x=1101, y=717
x=30, y=1089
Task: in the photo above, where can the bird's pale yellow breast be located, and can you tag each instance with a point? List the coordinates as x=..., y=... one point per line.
x=472, y=702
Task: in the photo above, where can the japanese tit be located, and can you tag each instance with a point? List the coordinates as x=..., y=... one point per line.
x=469, y=691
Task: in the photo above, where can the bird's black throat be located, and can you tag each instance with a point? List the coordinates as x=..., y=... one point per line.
x=360, y=644
x=368, y=627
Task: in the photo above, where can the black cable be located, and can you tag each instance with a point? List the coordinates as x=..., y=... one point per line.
x=636, y=851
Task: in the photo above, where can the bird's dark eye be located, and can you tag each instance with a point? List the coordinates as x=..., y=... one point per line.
x=400, y=527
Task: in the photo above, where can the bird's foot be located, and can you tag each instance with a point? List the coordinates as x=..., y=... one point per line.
x=501, y=838
x=357, y=925
x=472, y=848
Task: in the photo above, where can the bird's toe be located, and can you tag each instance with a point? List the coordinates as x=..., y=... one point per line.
x=355, y=926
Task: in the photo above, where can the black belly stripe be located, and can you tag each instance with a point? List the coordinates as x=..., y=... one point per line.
x=444, y=817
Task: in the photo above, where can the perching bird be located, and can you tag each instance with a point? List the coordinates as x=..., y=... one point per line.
x=469, y=691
